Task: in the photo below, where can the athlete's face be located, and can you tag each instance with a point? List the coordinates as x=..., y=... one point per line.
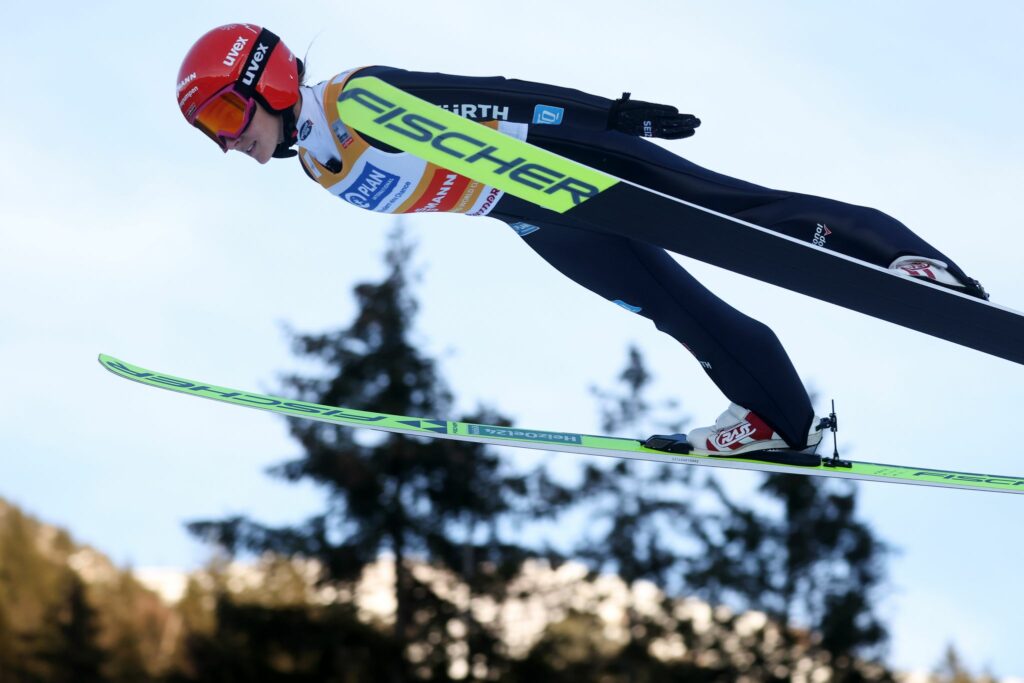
x=261, y=137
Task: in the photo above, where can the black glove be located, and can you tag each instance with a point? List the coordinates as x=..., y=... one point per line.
x=650, y=120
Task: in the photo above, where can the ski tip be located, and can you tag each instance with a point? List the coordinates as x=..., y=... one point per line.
x=109, y=362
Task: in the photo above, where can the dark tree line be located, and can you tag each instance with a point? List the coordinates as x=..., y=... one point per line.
x=54, y=627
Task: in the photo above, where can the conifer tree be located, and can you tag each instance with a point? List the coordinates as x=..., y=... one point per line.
x=418, y=500
x=9, y=651
x=952, y=669
x=67, y=645
x=33, y=591
x=813, y=564
x=799, y=553
x=640, y=507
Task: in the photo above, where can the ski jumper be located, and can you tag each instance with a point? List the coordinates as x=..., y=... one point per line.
x=742, y=356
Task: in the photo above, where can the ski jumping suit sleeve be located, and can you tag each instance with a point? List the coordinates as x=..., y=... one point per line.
x=630, y=266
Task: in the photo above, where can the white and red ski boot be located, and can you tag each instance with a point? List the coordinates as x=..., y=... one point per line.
x=738, y=431
x=936, y=272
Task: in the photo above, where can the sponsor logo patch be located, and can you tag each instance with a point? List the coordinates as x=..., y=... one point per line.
x=487, y=112
x=371, y=188
x=628, y=307
x=524, y=435
x=185, y=81
x=468, y=197
x=188, y=95
x=489, y=202
x=728, y=438
x=253, y=70
x=341, y=132
x=486, y=157
x=523, y=229
x=918, y=269
x=396, y=198
x=235, y=51
x=547, y=115
x=821, y=233
x=443, y=192
x=307, y=126
x=973, y=478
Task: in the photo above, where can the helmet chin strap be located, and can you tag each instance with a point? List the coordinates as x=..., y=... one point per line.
x=284, y=149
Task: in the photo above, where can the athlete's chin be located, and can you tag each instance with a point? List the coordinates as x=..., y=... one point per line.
x=261, y=156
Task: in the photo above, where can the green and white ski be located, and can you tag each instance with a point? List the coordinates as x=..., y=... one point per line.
x=557, y=441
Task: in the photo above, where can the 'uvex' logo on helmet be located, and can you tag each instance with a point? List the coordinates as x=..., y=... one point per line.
x=254, y=64
x=235, y=50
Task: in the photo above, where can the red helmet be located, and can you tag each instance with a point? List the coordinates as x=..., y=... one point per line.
x=229, y=69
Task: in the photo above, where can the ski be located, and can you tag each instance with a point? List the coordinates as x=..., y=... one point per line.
x=575, y=190
x=778, y=462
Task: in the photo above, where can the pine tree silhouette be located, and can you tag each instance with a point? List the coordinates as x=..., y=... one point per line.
x=799, y=553
x=439, y=502
x=67, y=646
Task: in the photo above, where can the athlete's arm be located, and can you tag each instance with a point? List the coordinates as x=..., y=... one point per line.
x=507, y=99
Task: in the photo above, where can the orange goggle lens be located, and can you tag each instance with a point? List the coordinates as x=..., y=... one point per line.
x=224, y=116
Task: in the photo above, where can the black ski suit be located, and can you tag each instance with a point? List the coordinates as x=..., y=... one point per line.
x=742, y=356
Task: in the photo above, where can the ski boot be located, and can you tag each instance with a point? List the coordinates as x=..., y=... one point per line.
x=937, y=272
x=739, y=432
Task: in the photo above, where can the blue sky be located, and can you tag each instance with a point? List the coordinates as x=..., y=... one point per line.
x=126, y=232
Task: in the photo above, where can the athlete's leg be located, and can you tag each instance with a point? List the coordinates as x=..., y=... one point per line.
x=863, y=233
x=742, y=356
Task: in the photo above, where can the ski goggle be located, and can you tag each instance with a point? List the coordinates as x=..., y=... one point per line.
x=225, y=116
